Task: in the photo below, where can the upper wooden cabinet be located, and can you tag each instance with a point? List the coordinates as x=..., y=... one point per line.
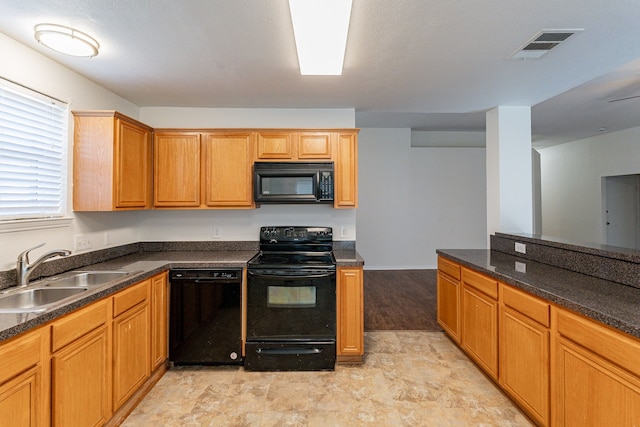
x=112, y=162
x=284, y=145
x=227, y=169
x=176, y=172
x=339, y=146
x=200, y=170
x=346, y=170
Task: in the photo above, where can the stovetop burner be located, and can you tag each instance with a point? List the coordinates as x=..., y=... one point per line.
x=295, y=247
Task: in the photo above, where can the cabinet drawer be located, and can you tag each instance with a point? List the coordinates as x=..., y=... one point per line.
x=77, y=324
x=130, y=297
x=618, y=348
x=20, y=354
x=481, y=282
x=448, y=267
x=528, y=305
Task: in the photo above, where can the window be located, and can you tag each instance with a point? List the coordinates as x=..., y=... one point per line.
x=33, y=145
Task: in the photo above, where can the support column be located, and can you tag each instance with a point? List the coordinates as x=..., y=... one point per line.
x=509, y=179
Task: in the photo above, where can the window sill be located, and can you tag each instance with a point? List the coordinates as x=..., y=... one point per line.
x=13, y=226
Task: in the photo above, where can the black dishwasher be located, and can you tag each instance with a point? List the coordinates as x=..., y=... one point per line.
x=205, y=317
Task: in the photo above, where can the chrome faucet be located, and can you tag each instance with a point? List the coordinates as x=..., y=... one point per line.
x=24, y=268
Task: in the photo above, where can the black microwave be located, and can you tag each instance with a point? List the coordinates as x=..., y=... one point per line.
x=292, y=182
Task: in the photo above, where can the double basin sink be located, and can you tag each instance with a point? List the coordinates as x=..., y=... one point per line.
x=50, y=292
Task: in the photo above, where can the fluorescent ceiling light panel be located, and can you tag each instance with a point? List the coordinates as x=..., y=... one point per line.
x=320, y=28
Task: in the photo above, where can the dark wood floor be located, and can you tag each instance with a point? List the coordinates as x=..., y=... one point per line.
x=400, y=300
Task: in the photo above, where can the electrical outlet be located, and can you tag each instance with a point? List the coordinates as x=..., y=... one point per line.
x=343, y=231
x=107, y=238
x=216, y=232
x=82, y=242
x=521, y=267
x=521, y=247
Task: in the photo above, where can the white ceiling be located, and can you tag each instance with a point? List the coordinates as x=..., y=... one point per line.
x=424, y=64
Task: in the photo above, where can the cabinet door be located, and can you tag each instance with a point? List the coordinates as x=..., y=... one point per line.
x=346, y=171
x=350, y=314
x=228, y=160
x=448, y=305
x=524, y=362
x=596, y=378
x=159, y=325
x=592, y=391
x=176, y=169
x=314, y=145
x=20, y=399
x=132, y=166
x=21, y=381
x=480, y=329
x=80, y=389
x=275, y=145
x=131, y=352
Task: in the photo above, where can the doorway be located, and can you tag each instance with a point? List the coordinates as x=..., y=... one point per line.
x=622, y=210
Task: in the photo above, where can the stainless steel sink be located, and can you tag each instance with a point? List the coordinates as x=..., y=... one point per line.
x=35, y=300
x=85, y=278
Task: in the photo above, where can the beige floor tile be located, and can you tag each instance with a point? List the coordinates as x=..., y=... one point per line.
x=409, y=378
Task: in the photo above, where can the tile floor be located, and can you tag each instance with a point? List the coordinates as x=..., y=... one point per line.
x=409, y=378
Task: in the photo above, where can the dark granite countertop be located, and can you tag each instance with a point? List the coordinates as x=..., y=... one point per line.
x=611, y=303
x=142, y=265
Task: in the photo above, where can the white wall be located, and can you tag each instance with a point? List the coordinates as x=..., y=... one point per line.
x=413, y=201
x=244, y=224
x=25, y=66
x=29, y=68
x=571, y=176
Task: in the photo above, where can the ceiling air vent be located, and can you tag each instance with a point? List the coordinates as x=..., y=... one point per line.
x=541, y=43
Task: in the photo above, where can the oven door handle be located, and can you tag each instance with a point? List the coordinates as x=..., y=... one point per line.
x=289, y=350
x=289, y=276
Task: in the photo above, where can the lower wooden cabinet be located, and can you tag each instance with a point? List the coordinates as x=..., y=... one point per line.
x=80, y=382
x=350, y=314
x=81, y=367
x=479, y=331
x=22, y=381
x=597, y=375
x=524, y=342
x=159, y=320
x=131, y=342
x=560, y=368
x=448, y=297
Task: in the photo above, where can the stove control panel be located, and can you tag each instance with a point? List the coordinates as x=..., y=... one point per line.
x=296, y=234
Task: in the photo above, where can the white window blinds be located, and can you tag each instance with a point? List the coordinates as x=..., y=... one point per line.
x=33, y=135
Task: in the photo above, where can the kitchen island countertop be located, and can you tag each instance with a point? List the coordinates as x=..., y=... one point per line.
x=608, y=302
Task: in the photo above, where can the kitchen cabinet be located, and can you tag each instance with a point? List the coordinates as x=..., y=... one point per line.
x=274, y=145
x=81, y=367
x=23, y=382
x=228, y=158
x=131, y=341
x=112, y=162
x=159, y=319
x=524, y=341
x=597, y=373
x=292, y=145
x=203, y=169
x=346, y=170
x=176, y=170
x=350, y=314
x=479, y=319
x=448, y=297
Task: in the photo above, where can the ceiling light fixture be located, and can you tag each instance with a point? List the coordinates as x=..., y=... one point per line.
x=320, y=28
x=66, y=40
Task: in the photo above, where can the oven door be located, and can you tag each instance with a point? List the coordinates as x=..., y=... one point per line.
x=292, y=307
